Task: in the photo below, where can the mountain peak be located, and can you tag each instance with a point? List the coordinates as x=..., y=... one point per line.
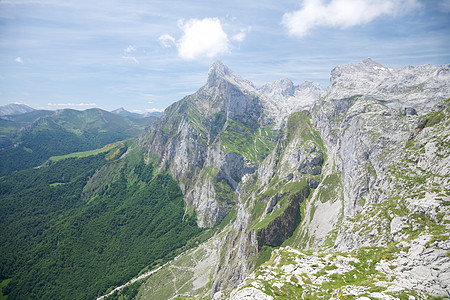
x=282, y=87
x=119, y=110
x=219, y=68
x=219, y=72
x=371, y=63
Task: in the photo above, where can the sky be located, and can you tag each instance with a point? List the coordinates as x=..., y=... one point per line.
x=146, y=55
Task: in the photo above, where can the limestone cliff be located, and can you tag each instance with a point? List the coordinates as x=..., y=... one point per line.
x=210, y=140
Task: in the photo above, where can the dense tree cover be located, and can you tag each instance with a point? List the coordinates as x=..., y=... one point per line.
x=54, y=245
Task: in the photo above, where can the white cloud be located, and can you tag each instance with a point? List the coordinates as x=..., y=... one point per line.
x=126, y=54
x=342, y=13
x=71, y=104
x=166, y=40
x=19, y=60
x=130, y=49
x=239, y=37
x=154, y=109
x=130, y=58
x=202, y=38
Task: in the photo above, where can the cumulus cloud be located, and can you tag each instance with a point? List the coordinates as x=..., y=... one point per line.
x=201, y=38
x=19, y=60
x=342, y=13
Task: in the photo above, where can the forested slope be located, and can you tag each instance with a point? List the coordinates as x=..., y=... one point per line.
x=75, y=228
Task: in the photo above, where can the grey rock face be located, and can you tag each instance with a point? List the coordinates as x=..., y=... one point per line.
x=196, y=138
x=368, y=114
x=282, y=97
x=421, y=86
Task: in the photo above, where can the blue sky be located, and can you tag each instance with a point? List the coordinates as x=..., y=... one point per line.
x=145, y=55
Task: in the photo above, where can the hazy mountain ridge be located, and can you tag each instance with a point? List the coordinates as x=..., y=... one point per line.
x=29, y=139
x=340, y=149
x=14, y=109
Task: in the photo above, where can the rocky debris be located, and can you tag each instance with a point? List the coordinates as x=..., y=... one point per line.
x=409, y=111
x=397, y=224
x=368, y=272
x=420, y=125
x=249, y=293
x=419, y=267
x=188, y=275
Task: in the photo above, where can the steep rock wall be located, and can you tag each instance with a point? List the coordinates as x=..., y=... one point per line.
x=281, y=228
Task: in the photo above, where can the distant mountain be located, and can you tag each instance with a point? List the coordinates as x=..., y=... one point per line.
x=14, y=109
x=28, y=117
x=125, y=113
x=30, y=139
x=153, y=114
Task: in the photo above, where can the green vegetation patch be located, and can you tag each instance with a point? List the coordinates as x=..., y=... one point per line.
x=3, y=285
x=284, y=191
x=263, y=255
x=117, y=146
x=56, y=245
x=331, y=188
x=252, y=143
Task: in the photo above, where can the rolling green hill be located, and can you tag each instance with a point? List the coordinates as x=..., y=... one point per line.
x=28, y=140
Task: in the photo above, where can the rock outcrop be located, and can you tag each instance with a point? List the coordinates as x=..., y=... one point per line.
x=281, y=228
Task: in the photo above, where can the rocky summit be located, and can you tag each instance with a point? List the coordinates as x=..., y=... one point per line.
x=315, y=194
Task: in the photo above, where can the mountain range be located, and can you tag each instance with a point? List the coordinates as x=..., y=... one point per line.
x=350, y=172
x=298, y=193
x=29, y=137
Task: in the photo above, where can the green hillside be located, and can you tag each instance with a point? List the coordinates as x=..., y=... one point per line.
x=81, y=225
x=28, y=140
